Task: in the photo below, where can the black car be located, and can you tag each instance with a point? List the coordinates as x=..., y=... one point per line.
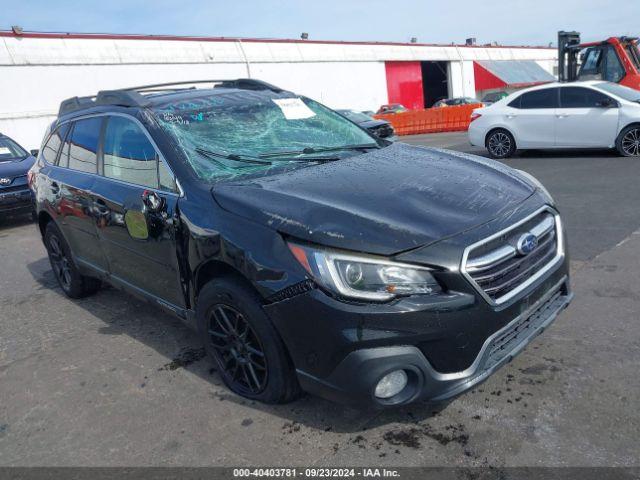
x=307, y=253
x=15, y=162
x=380, y=128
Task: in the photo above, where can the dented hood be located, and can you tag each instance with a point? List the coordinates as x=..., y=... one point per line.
x=385, y=201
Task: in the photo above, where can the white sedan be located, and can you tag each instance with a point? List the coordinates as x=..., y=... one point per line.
x=591, y=114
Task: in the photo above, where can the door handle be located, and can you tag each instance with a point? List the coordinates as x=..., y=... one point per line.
x=55, y=188
x=562, y=115
x=511, y=115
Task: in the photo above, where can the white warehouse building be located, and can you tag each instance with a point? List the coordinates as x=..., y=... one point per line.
x=39, y=70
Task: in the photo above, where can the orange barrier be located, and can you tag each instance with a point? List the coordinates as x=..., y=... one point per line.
x=431, y=120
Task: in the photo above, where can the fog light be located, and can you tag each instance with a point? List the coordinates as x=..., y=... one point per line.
x=391, y=384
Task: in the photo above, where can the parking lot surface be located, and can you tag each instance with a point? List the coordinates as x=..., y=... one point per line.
x=109, y=380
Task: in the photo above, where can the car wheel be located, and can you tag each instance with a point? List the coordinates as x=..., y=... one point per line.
x=73, y=284
x=500, y=144
x=628, y=142
x=250, y=355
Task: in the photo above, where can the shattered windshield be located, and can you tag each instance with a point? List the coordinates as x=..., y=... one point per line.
x=252, y=132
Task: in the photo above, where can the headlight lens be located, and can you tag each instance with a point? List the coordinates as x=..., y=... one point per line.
x=364, y=277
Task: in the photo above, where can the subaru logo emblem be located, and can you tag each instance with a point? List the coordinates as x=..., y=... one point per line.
x=5, y=181
x=527, y=243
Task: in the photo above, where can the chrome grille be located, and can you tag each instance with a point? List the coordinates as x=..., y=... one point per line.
x=499, y=270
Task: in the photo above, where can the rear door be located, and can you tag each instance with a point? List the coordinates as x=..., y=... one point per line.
x=136, y=200
x=70, y=182
x=586, y=118
x=531, y=117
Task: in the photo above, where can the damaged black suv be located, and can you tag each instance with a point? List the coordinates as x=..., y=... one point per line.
x=307, y=253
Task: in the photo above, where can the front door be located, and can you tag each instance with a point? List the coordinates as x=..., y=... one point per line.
x=135, y=202
x=586, y=118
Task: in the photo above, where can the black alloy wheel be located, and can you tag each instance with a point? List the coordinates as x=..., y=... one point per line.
x=60, y=263
x=72, y=282
x=239, y=350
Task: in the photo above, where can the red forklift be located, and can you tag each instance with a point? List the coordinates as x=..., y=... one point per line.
x=616, y=59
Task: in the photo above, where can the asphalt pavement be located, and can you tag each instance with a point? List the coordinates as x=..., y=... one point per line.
x=111, y=381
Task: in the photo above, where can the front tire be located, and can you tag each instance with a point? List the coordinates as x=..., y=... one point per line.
x=250, y=355
x=73, y=284
x=500, y=144
x=628, y=142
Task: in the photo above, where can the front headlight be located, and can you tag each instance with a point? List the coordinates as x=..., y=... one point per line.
x=362, y=276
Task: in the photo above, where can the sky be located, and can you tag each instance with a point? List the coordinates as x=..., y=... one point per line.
x=508, y=22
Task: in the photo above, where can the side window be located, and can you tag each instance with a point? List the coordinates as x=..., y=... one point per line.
x=545, y=98
x=63, y=159
x=578, y=97
x=167, y=181
x=591, y=62
x=613, y=70
x=129, y=155
x=50, y=150
x=515, y=103
x=83, y=148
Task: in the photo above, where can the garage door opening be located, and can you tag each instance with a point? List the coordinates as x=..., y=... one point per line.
x=435, y=82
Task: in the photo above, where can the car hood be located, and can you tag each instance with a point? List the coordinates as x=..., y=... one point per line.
x=16, y=168
x=386, y=201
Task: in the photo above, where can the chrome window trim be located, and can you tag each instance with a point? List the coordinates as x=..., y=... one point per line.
x=560, y=253
x=161, y=157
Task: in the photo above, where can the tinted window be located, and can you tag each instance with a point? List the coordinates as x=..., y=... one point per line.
x=613, y=70
x=63, y=158
x=545, y=98
x=576, y=97
x=50, y=149
x=128, y=154
x=83, y=147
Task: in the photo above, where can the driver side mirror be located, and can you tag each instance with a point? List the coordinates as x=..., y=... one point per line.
x=34, y=152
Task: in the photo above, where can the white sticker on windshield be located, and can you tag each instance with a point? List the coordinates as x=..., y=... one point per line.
x=5, y=151
x=293, y=108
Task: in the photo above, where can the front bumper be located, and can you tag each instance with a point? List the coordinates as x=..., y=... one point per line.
x=16, y=201
x=354, y=380
x=341, y=351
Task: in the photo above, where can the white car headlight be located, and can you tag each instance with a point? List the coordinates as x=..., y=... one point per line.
x=362, y=276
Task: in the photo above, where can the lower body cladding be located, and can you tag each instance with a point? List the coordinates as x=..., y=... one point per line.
x=16, y=202
x=387, y=355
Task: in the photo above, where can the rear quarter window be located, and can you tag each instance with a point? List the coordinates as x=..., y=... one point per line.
x=83, y=147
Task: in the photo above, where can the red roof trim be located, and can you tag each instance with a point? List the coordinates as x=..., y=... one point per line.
x=112, y=36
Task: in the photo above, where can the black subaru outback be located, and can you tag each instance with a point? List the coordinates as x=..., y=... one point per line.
x=308, y=254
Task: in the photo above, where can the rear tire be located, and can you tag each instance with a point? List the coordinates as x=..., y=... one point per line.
x=628, y=142
x=73, y=284
x=500, y=144
x=245, y=346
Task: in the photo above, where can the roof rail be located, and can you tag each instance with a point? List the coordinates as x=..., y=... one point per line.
x=242, y=83
x=132, y=96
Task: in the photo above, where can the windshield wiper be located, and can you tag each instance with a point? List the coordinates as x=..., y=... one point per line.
x=310, y=150
x=211, y=155
x=231, y=156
